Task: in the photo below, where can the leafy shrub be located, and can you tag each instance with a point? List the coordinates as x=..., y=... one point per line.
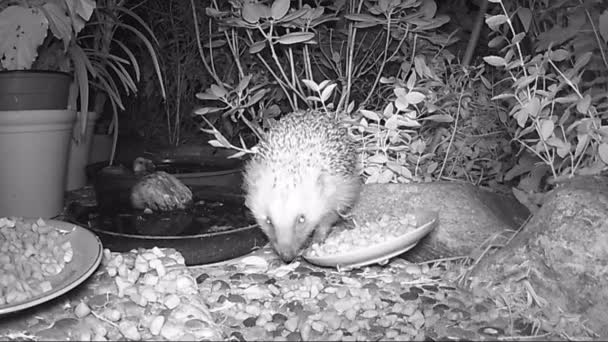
x=555, y=99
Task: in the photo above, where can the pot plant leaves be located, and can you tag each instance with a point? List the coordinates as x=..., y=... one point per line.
x=23, y=30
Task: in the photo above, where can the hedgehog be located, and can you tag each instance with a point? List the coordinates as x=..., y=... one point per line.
x=302, y=180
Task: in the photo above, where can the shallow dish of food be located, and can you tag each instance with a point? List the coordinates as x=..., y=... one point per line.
x=42, y=260
x=372, y=242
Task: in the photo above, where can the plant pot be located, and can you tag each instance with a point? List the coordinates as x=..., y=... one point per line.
x=34, y=147
x=78, y=157
x=34, y=90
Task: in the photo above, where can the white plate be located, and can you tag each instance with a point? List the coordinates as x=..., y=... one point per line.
x=88, y=252
x=381, y=252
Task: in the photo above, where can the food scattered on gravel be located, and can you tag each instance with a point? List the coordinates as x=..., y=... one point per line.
x=145, y=294
x=341, y=241
x=149, y=294
x=31, y=254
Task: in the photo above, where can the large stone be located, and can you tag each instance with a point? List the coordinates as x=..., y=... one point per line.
x=558, y=263
x=468, y=216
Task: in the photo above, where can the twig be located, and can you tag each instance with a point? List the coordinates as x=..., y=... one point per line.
x=447, y=151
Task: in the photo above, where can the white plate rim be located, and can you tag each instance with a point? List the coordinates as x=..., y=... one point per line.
x=381, y=251
x=92, y=250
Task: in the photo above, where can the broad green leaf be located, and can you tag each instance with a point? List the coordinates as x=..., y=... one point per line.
x=503, y=96
x=206, y=110
x=583, y=104
x=521, y=116
x=279, y=8
x=388, y=110
x=414, y=97
x=313, y=98
x=256, y=97
x=385, y=176
x=59, y=22
x=370, y=115
x=323, y=84
x=80, y=11
x=236, y=155
x=295, y=37
x=559, y=55
x=495, y=61
x=22, y=30
x=518, y=38
x=294, y=15
x=525, y=17
x=564, y=150
x=582, y=60
x=428, y=9
x=252, y=12
x=399, y=91
x=602, y=151
x=581, y=144
x=212, y=12
x=496, y=41
x=257, y=47
x=350, y=107
x=379, y=158
x=313, y=13
x=570, y=98
x=399, y=169
x=546, y=128
x=206, y=96
x=243, y=84
x=439, y=118
x=363, y=18
x=496, y=20
x=405, y=121
x=215, y=43
x=401, y=103
x=312, y=85
x=432, y=167
x=326, y=93
x=418, y=146
x=533, y=107
x=218, y=91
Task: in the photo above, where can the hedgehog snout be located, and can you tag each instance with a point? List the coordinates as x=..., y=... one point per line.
x=286, y=253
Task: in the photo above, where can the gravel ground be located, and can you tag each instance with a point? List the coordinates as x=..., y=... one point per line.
x=154, y=296
x=151, y=295
x=257, y=297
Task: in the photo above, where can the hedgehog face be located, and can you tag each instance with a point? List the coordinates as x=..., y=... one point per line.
x=287, y=213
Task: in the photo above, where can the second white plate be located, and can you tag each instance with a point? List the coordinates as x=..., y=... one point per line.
x=426, y=221
x=88, y=252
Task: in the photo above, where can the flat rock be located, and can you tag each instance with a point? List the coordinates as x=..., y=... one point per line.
x=560, y=259
x=468, y=215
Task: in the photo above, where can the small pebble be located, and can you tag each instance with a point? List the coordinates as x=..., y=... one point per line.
x=409, y=295
x=250, y=322
x=201, y=278
x=279, y=318
x=294, y=336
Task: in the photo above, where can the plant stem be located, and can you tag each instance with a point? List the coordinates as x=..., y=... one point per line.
x=384, y=59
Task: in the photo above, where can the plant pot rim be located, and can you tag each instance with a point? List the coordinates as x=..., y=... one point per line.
x=35, y=71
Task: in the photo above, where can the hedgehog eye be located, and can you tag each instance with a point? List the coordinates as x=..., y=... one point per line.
x=301, y=219
x=268, y=221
